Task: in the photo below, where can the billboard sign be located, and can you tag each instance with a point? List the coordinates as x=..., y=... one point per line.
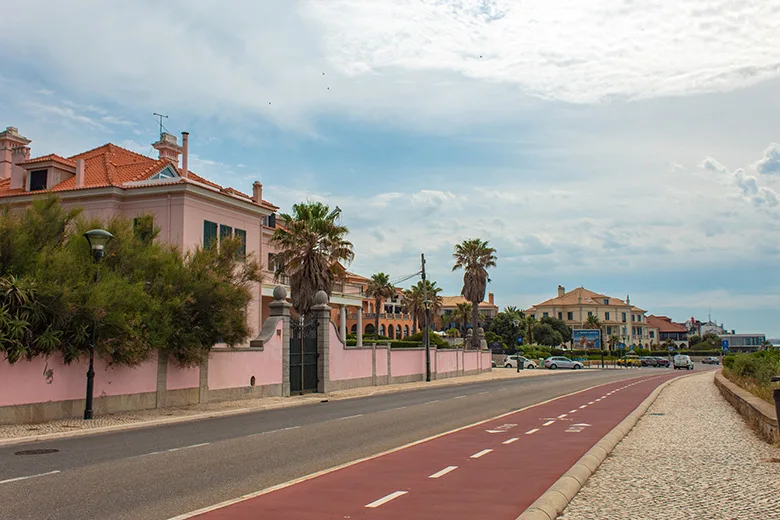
x=586, y=338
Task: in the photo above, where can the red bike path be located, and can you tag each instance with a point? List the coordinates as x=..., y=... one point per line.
x=400, y=484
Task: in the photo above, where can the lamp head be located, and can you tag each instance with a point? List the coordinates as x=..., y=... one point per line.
x=97, y=239
x=427, y=303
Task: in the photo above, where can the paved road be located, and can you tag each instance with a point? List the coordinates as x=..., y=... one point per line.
x=163, y=471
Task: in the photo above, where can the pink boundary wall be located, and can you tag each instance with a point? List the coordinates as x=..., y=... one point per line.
x=348, y=363
x=447, y=361
x=234, y=369
x=25, y=382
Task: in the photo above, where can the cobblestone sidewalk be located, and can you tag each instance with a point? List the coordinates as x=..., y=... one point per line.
x=162, y=415
x=690, y=457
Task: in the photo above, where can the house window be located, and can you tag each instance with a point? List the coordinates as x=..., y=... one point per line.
x=209, y=233
x=606, y=316
x=624, y=317
x=560, y=315
x=241, y=235
x=570, y=316
x=38, y=180
x=545, y=315
x=590, y=313
x=606, y=301
x=225, y=231
x=652, y=334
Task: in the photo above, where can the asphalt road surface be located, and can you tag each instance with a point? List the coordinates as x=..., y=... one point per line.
x=163, y=471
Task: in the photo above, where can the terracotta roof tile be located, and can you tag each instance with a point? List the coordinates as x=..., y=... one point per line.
x=581, y=296
x=51, y=157
x=453, y=301
x=665, y=324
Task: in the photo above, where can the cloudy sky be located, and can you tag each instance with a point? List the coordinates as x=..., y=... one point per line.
x=629, y=147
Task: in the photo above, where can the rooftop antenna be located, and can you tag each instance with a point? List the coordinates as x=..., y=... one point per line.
x=161, y=116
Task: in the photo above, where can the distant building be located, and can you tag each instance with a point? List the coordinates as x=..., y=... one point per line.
x=488, y=309
x=616, y=317
x=663, y=329
x=744, y=342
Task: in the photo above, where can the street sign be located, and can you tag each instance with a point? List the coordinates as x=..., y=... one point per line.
x=631, y=349
x=724, y=345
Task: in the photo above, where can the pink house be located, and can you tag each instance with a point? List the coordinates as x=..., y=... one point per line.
x=110, y=180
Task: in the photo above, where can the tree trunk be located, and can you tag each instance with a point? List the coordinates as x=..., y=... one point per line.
x=376, y=317
x=414, y=322
x=475, y=324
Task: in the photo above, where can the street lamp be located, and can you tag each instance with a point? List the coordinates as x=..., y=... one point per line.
x=427, y=340
x=520, y=364
x=97, y=239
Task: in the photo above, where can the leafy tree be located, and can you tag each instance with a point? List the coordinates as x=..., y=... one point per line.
x=475, y=257
x=461, y=315
x=559, y=326
x=148, y=297
x=429, y=290
x=311, y=244
x=614, y=341
x=509, y=326
x=413, y=304
x=379, y=288
x=545, y=334
x=453, y=333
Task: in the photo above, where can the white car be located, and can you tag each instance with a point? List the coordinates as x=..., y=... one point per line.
x=511, y=362
x=554, y=362
x=683, y=362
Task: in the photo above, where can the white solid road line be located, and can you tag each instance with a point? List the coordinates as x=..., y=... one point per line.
x=480, y=453
x=548, y=423
x=529, y=432
x=459, y=397
x=510, y=441
x=388, y=498
x=274, y=431
x=485, y=392
x=443, y=472
x=188, y=447
x=431, y=402
x=28, y=477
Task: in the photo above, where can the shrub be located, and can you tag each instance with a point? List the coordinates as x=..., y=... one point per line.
x=434, y=339
x=754, y=371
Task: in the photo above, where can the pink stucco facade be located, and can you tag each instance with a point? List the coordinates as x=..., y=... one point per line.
x=407, y=362
x=233, y=369
x=44, y=380
x=381, y=362
x=470, y=360
x=353, y=363
x=179, y=378
x=447, y=361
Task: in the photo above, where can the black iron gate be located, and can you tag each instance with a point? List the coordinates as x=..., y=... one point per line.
x=303, y=356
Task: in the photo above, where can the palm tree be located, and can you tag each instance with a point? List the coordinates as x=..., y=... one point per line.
x=474, y=256
x=592, y=322
x=530, y=325
x=413, y=303
x=311, y=244
x=379, y=288
x=461, y=315
x=614, y=341
x=430, y=291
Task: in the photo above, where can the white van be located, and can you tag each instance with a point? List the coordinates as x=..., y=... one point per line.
x=683, y=362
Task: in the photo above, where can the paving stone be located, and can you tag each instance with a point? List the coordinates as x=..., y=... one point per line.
x=699, y=460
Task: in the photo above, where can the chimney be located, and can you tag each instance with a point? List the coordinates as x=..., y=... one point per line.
x=19, y=154
x=13, y=150
x=185, y=138
x=490, y=298
x=257, y=192
x=168, y=147
x=628, y=300
x=561, y=291
x=80, y=168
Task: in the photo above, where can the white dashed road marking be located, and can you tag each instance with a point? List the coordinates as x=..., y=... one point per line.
x=529, y=432
x=443, y=472
x=480, y=454
x=583, y=406
x=386, y=499
x=562, y=416
x=548, y=423
x=192, y=446
x=28, y=477
x=510, y=441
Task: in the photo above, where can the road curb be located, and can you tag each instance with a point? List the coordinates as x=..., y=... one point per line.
x=553, y=501
x=219, y=413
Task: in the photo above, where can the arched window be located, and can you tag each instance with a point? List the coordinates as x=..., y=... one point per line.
x=390, y=331
x=382, y=330
x=397, y=332
x=354, y=329
x=370, y=329
x=406, y=331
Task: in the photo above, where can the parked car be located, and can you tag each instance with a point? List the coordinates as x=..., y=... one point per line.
x=554, y=362
x=662, y=361
x=493, y=364
x=711, y=360
x=631, y=360
x=648, y=361
x=511, y=362
x=683, y=362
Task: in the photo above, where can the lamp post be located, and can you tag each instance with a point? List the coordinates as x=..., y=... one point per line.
x=427, y=340
x=97, y=239
x=520, y=364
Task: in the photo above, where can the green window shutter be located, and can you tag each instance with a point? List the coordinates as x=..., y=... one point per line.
x=209, y=233
x=241, y=235
x=225, y=232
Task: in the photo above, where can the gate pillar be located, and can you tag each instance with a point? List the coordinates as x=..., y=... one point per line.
x=281, y=308
x=321, y=310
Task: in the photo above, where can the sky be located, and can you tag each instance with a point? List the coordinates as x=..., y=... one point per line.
x=627, y=147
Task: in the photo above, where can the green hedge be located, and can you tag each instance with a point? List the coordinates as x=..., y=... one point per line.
x=754, y=372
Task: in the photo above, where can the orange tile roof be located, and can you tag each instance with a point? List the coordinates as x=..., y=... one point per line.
x=581, y=296
x=665, y=324
x=112, y=165
x=453, y=301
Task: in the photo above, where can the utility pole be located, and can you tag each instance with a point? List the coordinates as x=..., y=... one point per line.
x=426, y=337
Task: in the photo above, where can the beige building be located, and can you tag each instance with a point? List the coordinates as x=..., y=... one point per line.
x=616, y=317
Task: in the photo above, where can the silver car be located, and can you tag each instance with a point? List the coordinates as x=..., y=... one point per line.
x=511, y=362
x=554, y=362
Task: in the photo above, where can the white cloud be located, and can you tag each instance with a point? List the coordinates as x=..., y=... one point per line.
x=759, y=196
x=770, y=163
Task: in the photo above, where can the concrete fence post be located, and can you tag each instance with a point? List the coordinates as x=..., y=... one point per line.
x=203, y=382
x=162, y=380
x=321, y=310
x=373, y=364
